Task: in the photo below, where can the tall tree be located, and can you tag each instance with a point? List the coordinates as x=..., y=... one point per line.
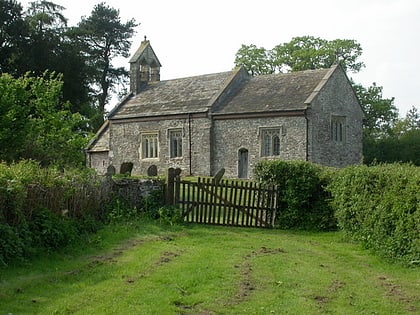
x=257, y=60
x=381, y=114
x=49, y=48
x=301, y=53
x=104, y=36
x=13, y=33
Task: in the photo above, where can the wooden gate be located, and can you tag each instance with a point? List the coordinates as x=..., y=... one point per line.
x=226, y=202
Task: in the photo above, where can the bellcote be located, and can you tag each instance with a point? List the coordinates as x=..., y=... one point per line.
x=144, y=67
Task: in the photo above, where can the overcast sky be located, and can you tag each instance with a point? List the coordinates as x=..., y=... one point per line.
x=192, y=37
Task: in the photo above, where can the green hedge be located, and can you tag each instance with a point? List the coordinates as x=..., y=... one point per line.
x=44, y=209
x=380, y=207
x=303, y=201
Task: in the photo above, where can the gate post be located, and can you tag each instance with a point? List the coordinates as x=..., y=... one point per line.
x=170, y=185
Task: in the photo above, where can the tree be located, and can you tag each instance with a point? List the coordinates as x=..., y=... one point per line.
x=49, y=48
x=301, y=53
x=381, y=114
x=103, y=37
x=256, y=60
x=13, y=33
x=36, y=124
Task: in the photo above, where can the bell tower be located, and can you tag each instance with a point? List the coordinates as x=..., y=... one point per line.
x=144, y=67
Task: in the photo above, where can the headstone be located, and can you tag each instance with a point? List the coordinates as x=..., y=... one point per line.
x=152, y=170
x=219, y=175
x=110, y=171
x=126, y=168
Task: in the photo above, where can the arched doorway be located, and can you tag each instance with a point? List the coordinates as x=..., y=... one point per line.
x=243, y=163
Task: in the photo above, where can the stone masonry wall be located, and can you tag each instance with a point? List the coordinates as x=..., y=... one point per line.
x=125, y=145
x=232, y=135
x=335, y=99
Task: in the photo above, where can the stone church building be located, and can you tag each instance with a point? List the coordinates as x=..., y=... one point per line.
x=228, y=120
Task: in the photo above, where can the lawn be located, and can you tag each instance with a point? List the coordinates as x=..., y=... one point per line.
x=148, y=268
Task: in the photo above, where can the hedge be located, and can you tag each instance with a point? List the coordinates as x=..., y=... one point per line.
x=380, y=207
x=303, y=200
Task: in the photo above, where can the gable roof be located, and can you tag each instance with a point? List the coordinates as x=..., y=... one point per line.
x=249, y=95
x=171, y=97
x=274, y=92
x=145, y=51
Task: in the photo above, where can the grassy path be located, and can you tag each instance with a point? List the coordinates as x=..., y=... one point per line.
x=211, y=270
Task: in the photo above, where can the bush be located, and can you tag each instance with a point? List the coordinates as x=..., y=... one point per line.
x=379, y=206
x=45, y=208
x=303, y=201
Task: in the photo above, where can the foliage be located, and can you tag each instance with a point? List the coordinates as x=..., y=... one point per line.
x=380, y=207
x=388, y=139
x=302, y=197
x=39, y=39
x=380, y=114
x=44, y=209
x=35, y=124
x=13, y=33
x=103, y=36
x=257, y=60
x=301, y=53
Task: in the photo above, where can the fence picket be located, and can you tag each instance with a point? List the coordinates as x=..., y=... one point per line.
x=226, y=202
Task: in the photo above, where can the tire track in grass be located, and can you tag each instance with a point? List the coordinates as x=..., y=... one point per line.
x=246, y=286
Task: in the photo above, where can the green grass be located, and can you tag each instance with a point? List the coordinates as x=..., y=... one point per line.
x=152, y=269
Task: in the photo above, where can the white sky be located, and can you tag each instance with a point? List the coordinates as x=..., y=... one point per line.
x=192, y=37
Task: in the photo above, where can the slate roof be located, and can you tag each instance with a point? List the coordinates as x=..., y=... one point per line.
x=260, y=94
x=178, y=96
x=274, y=92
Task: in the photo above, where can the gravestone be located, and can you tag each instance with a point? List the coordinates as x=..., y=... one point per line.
x=110, y=171
x=126, y=168
x=152, y=170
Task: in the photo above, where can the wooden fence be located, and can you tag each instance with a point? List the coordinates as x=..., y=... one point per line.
x=226, y=202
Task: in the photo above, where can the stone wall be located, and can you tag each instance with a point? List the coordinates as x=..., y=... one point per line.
x=336, y=99
x=99, y=161
x=125, y=145
x=229, y=136
x=132, y=191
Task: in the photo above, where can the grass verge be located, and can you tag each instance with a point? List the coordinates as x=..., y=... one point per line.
x=153, y=269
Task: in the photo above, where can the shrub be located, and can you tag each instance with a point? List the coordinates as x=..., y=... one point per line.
x=380, y=207
x=45, y=208
x=303, y=201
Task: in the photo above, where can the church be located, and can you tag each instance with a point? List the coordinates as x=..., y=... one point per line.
x=229, y=120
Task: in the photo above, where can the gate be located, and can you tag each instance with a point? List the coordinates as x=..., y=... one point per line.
x=226, y=202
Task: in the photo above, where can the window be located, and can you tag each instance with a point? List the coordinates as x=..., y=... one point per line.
x=175, y=143
x=149, y=145
x=338, y=128
x=270, y=142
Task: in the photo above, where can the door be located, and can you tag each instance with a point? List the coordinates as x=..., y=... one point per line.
x=243, y=163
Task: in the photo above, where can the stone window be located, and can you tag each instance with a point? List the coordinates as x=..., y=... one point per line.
x=338, y=128
x=149, y=145
x=175, y=143
x=270, y=141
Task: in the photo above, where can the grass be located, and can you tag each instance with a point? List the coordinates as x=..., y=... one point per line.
x=152, y=269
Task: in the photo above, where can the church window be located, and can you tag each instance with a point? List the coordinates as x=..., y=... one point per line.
x=338, y=129
x=149, y=145
x=175, y=143
x=270, y=141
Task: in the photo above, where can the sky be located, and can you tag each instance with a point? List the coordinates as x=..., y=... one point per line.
x=193, y=37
